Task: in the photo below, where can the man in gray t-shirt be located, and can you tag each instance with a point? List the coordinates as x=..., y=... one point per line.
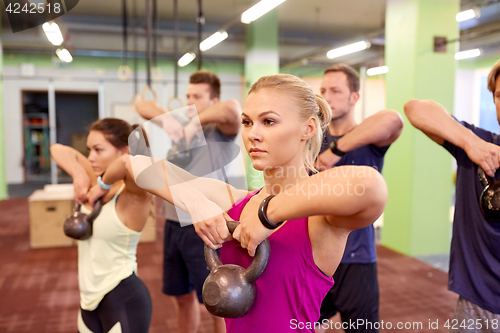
x=184, y=267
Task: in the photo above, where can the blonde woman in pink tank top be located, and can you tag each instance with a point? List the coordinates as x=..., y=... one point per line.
x=283, y=123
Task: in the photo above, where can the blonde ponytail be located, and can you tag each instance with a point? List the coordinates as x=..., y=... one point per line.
x=323, y=117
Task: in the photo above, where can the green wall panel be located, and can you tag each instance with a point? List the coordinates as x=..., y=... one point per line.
x=81, y=62
x=482, y=62
x=261, y=36
x=417, y=171
x=3, y=179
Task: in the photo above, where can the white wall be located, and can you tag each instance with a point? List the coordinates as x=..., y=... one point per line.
x=85, y=80
x=464, y=97
x=468, y=94
x=375, y=96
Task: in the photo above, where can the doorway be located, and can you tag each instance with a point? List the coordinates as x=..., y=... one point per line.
x=74, y=113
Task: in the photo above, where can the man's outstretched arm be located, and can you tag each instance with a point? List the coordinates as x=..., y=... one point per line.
x=435, y=122
x=380, y=129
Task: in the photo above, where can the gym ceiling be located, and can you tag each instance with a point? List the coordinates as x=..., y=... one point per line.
x=308, y=29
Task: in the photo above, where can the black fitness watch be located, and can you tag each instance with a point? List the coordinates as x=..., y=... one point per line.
x=263, y=214
x=335, y=150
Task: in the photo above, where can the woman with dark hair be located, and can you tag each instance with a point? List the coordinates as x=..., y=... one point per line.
x=112, y=297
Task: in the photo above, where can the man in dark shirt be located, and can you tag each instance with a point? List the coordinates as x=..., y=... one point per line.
x=355, y=293
x=475, y=247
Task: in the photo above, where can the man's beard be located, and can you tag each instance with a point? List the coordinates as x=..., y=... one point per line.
x=340, y=116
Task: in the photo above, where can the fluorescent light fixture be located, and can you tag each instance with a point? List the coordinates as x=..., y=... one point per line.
x=186, y=59
x=468, y=14
x=351, y=48
x=377, y=70
x=259, y=9
x=213, y=40
x=53, y=33
x=64, y=55
x=468, y=54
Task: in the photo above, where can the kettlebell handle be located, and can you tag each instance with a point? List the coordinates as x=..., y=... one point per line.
x=256, y=268
x=211, y=256
x=76, y=207
x=483, y=177
x=96, y=210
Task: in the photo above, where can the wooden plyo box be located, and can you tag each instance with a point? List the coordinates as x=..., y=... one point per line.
x=48, y=211
x=49, y=208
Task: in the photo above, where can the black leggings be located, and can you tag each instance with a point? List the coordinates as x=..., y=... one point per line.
x=129, y=304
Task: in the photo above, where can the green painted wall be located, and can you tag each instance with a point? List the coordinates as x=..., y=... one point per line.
x=261, y=35
x=3, y=178
x=79, y=62
x=304, y=71
x=417, y=171
x=475, y=63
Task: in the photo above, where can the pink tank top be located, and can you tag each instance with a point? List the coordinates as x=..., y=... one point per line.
x=291, y=289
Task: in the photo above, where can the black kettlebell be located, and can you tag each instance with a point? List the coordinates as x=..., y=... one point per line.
x=79, y=225
x=229, y=290
x=490, y=197
x=179, y=154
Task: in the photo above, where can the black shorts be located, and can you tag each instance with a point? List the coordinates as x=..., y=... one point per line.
x=128, y=305
x=184, y=266
x=355, y=295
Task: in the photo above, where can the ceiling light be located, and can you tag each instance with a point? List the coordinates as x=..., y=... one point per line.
x=468, y=54
x=468, y=14
x=259, y=9
x=186, y=59
x=377, y=70
x=213, y=40
x=351, y=48
x=64, y=55
x=53, y=33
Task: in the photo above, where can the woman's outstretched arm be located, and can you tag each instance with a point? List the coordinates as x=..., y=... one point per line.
x=205, y=199
x=77, y=166
x=174, y=184
x=115, y=172
x=348, y=197
x=435, y=122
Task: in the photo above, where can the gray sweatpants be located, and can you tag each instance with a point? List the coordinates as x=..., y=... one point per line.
x=471, y=318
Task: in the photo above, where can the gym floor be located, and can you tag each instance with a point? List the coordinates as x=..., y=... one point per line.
x=40, y=287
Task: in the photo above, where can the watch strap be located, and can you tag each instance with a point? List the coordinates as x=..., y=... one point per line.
x=102, y=184
x=263, y=214
x=335, y=150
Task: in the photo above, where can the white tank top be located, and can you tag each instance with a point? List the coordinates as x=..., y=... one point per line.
x=107, y=257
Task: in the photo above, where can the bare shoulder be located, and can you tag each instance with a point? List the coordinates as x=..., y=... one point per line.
x=137, y=195
x=133, y=208
x=132, y=188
